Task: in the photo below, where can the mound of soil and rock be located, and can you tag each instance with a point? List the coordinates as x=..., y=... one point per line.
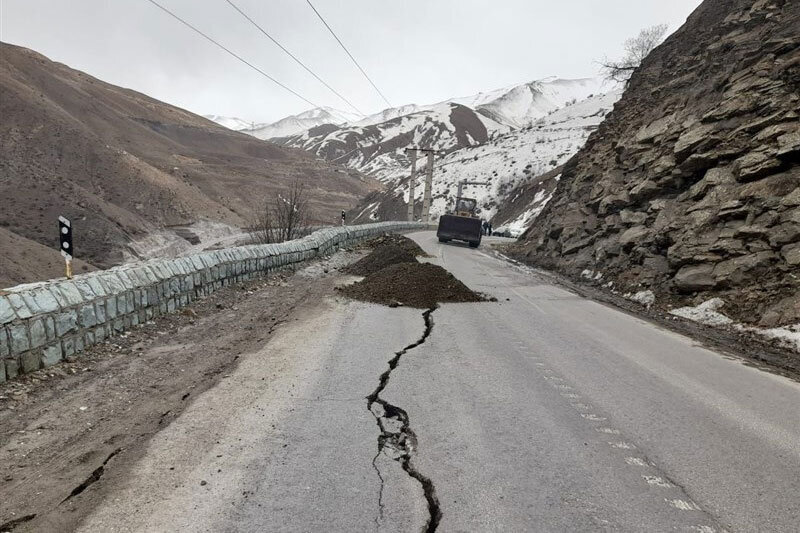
x=395, y=277
x=387, y=250
x=421, y=285
x=397, y=240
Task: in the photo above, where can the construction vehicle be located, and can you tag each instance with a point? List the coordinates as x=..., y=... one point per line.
x=461, y=224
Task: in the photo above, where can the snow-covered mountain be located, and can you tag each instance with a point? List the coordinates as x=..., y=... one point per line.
x=519, y=106
x=287, y=126
x=378, y=148
x=232, y=123
x=517, y=163
x=507, y=137
x=307, y=120
x=375, y=144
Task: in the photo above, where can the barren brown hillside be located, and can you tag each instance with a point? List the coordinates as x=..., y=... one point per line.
x=121, y=164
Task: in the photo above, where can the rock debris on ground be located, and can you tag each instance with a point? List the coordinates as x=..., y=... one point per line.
x=386, y=250
x=394, y=277
x=380, y=258
x=421, y=285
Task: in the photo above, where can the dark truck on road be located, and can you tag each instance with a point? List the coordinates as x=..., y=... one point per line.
x=461, y=224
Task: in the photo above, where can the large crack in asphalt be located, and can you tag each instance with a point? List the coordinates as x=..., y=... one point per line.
x=11, y=525
x=397, y=440
x=94, y=477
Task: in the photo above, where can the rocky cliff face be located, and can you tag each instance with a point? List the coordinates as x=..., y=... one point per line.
x=691, y=186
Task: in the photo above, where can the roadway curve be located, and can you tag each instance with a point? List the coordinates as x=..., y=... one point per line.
x=543, y=411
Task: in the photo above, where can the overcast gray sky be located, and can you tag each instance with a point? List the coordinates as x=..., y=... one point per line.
x=416, y=51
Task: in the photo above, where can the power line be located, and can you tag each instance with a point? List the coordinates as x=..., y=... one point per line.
x=176, y=17
x=271, y=38
x=348, y=53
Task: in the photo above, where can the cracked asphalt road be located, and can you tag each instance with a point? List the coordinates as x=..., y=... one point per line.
x=543, y=411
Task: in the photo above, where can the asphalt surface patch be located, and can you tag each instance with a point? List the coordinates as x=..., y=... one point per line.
x=421, y=285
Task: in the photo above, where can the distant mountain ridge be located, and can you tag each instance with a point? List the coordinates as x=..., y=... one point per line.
x=295, y=124
x=517, y=164
x=232, y=123
x=508, y=137
x=287, y=126
x=375, y=144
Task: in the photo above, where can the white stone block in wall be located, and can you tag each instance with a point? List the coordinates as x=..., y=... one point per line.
x=19, y=305
x=70, y=292
x=41, y=301
x=97, y=287
x=51, y=355
x=86, y=291
x=49, y=328
x=38, y=335
x=65, y=322
x=4, y=344
x=7, y=313
x=18, y=336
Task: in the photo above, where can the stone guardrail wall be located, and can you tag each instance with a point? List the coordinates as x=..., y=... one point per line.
x=41, y=323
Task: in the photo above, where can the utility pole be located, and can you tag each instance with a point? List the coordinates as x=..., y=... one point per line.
x=411, y=184
x=465, y=182
x=426, y=198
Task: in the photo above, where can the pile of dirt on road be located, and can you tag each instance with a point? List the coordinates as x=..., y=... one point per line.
x=387, y=250
x=396, y=240
x=421, y=285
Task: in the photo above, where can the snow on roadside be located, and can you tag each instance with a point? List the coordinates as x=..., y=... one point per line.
x=646, y=298
x=788, y=334
x=708, y=313
x=705, y=313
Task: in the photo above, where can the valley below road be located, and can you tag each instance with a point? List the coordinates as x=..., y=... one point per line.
x=283, y=406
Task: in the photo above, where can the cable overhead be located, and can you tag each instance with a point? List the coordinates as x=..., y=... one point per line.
x=271, y=38
x=240, y=58
x=348, y=53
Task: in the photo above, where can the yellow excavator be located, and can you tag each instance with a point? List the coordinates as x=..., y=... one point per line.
x=461, y=224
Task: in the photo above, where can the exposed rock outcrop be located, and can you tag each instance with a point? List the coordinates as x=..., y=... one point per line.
x=691, y=186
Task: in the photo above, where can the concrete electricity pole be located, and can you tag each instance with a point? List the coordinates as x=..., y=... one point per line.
x=411, y=185
x=426, y=198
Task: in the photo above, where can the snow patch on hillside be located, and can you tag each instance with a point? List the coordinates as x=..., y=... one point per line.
x=518, y=226
x=504, y=138
x=524, y=104
x=510, y=159
x=295, y=124
x=232, y=123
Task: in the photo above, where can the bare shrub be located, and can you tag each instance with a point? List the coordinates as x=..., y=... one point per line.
x=636, y=49
x=283, y=218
